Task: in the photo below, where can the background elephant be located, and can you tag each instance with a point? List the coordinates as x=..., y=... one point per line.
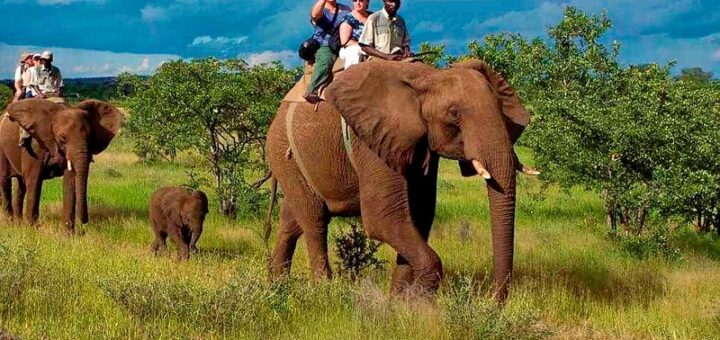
x=404, y=117
x=180, y=214
x=64, y=140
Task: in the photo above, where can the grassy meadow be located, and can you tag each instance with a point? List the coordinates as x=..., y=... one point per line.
x=572, y=280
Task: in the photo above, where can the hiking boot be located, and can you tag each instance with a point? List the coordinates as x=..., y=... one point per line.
x=312, y=98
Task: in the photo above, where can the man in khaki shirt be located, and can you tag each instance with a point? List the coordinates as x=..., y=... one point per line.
x=385, y=34
x=46, y=79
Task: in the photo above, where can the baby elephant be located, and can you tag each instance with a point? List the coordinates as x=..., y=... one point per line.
x=179, y=213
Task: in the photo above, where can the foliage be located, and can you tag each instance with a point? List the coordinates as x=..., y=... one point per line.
x=432, y=54
x=633, y=134
x=220, y=109
x=695, y=74
x=356, y=252
x=6, y=94
x=470, y=314
x=14, y=272
x=657, y=242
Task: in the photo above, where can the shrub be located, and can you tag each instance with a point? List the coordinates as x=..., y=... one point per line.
x=470, y=314
x=656, y=242
x=356, y=252
x=219, y=109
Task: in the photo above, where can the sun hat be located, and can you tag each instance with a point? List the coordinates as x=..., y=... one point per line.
x=24, y=56
x=36, y=56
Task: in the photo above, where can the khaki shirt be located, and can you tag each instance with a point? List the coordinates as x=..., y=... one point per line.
x=385, y=34
x=49, y=81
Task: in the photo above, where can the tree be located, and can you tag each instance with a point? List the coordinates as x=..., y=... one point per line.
x=695, y=74
x=6, y=94
x=633, y=134
x=221, y=109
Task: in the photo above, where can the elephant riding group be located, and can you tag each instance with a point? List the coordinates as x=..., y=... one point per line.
x=370, y=149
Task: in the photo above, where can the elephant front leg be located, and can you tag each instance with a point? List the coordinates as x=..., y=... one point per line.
x=6, y=186
x=422, y=194
x=32, y=200
x=183, y=248
x=19, y=198
x=69, y=201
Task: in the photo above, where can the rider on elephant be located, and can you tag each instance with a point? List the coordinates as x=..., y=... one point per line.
x=47, y=82
x=385, y=35
x=326, y=16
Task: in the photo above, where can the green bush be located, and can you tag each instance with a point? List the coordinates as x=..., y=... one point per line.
x=356, y=252
x=218, y=109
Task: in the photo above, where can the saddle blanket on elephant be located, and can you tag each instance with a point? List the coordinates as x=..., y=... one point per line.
x=298, y=91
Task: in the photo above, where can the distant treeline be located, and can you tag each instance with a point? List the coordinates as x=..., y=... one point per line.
x=102, y=88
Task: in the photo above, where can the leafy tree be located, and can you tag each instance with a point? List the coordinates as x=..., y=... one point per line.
x=220, y=109
x=695, y=74
x=5, y=94
x=633, y=134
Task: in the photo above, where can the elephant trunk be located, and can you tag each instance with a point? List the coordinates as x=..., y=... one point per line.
x=81, y=166
x=501, y=193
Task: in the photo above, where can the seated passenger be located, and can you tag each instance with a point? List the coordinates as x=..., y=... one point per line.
x=26, y=61
x=326, y=15
x=350, y=31
x=385, y=34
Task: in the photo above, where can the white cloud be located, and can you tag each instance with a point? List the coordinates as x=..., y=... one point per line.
x=79, y=63
x=217, y=42
x=429, y=26
x=287, y=57
x=152, y=13
x=716, y=55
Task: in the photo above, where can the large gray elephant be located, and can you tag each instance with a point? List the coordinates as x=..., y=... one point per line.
x=64, y=140
x=402, y=117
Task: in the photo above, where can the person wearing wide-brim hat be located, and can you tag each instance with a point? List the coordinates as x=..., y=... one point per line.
x=21, y=82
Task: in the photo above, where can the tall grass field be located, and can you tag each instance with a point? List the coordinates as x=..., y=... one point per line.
x=571, y=279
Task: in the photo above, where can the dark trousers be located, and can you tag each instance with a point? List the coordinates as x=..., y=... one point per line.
x=322, y=69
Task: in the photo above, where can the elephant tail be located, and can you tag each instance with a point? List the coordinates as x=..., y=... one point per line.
x=268, y=218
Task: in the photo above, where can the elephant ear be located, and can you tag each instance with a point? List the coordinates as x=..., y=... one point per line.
x=199, y=195
x=105, y=121
x=171, y=207
x=515, y=115
x=36, y=116
x=379, y=101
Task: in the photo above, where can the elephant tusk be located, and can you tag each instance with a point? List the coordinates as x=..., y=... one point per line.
x=529, y=171
x=69, y=165
x=481, y=169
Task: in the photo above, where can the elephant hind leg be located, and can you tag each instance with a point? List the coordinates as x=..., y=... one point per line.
x=288, y=234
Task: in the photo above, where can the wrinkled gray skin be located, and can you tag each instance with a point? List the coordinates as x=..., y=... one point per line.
x=180, y=214
x=404, y=117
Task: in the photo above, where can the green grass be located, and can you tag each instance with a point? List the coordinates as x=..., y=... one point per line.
x=572, y=281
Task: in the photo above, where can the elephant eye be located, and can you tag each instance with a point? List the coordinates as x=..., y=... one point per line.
x=454, y=113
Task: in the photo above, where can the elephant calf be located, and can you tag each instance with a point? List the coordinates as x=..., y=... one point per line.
x=180, y=214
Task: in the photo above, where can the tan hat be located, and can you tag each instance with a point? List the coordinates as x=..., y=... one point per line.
x=47, y=55
x=24, y=56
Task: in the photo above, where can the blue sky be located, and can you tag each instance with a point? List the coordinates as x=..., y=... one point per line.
x=106, y=37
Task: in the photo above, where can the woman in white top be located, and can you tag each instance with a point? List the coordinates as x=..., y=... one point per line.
x=350, y=32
